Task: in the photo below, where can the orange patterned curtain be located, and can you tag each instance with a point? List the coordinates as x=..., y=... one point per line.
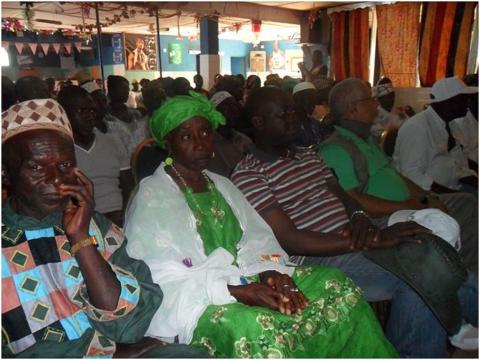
x=350, y=44
x=445, y=33
x=398, y=26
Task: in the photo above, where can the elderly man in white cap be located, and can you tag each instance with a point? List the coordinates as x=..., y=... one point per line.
x=69, y=288
x=425, y=150
x=230, y=146
x=311, y=133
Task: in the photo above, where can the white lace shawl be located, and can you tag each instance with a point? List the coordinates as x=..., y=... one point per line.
x=161, y=230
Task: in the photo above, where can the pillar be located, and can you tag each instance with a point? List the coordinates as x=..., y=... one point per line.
x=209, y=58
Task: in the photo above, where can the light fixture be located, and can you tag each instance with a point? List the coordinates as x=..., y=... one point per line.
x=4, y=58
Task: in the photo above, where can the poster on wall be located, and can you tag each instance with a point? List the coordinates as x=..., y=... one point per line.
x=277, y=60
x=293, y=58
x=257, y=61
x=140, y=52
x=175, y=53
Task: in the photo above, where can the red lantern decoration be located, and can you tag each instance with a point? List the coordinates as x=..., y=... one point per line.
x=256, y=26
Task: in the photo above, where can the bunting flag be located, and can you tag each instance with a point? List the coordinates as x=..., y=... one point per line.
x=77, y=46
x=5, y=44
x=398, y=28
x=45, y=48
x=56, y=47
x=445, y=33
x=33, y=47
x=350, y=44
x=19, y=46
x=68, y=48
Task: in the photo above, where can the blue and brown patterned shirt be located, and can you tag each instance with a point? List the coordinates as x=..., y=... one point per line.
x=46, y=311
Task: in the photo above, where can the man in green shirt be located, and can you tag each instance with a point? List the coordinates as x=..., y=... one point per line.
x=364, y=171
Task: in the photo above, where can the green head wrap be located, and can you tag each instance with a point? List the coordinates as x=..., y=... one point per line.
x=179, y=109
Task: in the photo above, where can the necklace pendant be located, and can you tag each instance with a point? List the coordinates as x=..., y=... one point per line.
x=217, y=213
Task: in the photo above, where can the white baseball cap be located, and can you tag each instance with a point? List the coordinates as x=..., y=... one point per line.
x=441, y=224
x=303, y=86
x=449, y=87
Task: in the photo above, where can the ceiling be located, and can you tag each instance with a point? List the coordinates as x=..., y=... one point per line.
x=175, y=18
x=299, y=5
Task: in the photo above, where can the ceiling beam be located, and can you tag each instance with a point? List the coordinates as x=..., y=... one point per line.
x=232, y=9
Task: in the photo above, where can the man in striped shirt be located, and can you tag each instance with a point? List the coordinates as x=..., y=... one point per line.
x=316, y=222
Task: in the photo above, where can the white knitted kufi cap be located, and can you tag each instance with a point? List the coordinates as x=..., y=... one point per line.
x=303, y=86
x=91, y=86
x=219, y=97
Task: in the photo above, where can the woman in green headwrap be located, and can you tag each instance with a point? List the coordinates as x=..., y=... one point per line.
x=227, y=284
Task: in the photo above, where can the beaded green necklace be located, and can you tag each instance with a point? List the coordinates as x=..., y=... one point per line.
x=214, y=211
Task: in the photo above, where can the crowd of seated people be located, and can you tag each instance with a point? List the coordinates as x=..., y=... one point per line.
x=239, y=221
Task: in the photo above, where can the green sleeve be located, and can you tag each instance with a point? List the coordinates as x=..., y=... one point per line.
x=132, y=327
x=340, y=161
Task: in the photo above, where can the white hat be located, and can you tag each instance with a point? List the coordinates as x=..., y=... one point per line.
x=441, y=224
x=303, y=86
x=382, y=89
x=219, y=97
x=91, y=86
x=449, y=87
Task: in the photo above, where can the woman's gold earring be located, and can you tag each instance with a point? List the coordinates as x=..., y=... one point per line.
x=213, y=154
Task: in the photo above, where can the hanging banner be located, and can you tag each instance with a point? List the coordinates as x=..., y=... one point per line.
x=19, y=47
x=56, y=47
x=77, y=46
x=33, y=47
x=68, y=47
x=45, y=48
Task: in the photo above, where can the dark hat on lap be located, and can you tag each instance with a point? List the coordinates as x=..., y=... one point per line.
x=433, y=269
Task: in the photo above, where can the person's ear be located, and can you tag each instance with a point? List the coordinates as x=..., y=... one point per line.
x=258, y=123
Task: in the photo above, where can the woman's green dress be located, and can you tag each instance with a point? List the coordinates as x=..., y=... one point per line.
x=337, y=322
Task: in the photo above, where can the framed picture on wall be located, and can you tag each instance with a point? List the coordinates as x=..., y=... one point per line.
x=258, y=61
x=140, y=52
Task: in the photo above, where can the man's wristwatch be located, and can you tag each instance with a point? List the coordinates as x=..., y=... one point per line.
x=91, y=240
x=358, y=212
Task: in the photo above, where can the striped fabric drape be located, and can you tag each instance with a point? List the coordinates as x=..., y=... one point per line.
x=444, y=40
x=397, y=28
x=350, y=44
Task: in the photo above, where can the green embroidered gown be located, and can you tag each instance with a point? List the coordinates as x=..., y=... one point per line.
x=337, y=322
